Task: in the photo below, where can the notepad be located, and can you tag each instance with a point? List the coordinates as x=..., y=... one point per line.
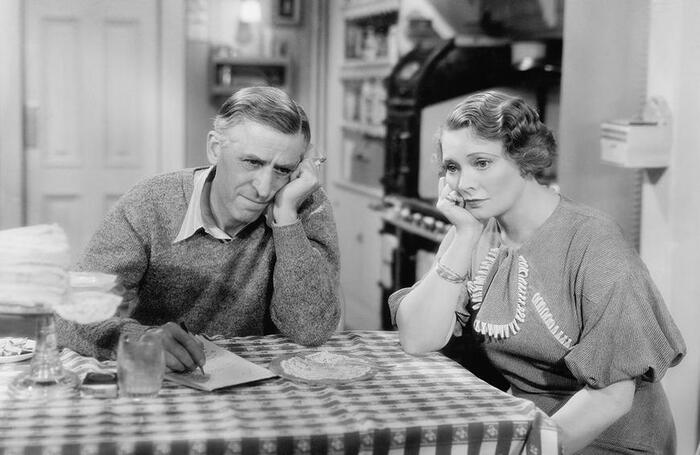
x=223, y=369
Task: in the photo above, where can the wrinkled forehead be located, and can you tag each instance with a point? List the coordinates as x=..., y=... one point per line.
x=265, y=143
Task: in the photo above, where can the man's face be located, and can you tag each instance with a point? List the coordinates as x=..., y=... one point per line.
x=253, y=162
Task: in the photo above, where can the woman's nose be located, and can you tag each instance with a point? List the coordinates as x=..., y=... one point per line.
x=466, y=181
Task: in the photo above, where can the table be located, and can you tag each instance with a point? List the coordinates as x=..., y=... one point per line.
x=414, y=404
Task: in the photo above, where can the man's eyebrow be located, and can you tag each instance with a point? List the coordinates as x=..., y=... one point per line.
x=287, y=167
x=253, y=157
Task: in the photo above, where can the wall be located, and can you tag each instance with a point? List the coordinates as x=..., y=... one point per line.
x=615, y=55
x=603, y=77
x=215, y=22
x=670, y=240
x=11, y=145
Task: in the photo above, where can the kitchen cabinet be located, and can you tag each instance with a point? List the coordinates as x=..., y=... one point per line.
x=361, y=55
x=360, y=244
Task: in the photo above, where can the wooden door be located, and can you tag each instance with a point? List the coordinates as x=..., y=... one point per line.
x=91, y=100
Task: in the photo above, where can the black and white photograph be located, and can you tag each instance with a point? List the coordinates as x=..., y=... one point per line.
x=349, y=227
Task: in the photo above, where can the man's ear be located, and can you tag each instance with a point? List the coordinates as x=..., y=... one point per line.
x=213, y=147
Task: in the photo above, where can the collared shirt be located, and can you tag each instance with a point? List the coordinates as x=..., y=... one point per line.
x=194, y=218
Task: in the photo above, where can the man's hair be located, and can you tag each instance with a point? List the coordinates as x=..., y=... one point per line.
x=268, y=106
x=497, y=116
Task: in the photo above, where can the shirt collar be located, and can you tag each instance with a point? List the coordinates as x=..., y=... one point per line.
x=194, y=220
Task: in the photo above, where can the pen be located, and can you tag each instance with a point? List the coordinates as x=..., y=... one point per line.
x=184, y=327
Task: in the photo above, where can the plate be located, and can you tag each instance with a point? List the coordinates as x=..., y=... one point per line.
x=16, y=349
x=322, y=367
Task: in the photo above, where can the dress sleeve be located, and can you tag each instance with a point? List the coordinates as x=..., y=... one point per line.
x=626, y=330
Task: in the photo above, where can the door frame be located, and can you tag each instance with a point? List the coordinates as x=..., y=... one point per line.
x=171, y=134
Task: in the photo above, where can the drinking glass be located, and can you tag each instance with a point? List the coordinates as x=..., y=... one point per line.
x=140, y=365
x=46, y=378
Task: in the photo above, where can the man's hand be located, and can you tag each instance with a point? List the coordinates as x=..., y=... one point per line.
x=182, y=351
x=302, y=183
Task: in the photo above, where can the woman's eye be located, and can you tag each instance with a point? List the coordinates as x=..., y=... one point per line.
x=482, y=164
x=450, y=168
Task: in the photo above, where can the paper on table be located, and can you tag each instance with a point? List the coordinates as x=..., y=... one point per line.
x=223, y=369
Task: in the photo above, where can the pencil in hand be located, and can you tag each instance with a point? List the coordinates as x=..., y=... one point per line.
x=184, y=327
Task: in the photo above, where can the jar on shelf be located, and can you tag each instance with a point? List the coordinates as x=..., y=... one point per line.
x=370, y=45
x=379, y=103
x=350, y=103
x=367, y=101
x=225, y=75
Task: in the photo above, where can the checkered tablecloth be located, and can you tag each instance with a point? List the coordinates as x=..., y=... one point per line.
x=414, y=404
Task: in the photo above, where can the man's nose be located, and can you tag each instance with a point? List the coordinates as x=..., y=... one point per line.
x=262, y=182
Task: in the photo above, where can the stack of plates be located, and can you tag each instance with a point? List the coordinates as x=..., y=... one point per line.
x=33, y=268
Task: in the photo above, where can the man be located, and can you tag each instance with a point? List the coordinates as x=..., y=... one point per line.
x=246, y=246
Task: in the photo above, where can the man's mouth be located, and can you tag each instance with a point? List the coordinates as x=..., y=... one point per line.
x=256, y=202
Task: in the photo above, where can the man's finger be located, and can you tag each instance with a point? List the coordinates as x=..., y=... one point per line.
x=179, y=353
x=173, y=363
x=182, y=346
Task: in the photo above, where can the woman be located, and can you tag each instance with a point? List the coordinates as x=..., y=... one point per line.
x=564, y=307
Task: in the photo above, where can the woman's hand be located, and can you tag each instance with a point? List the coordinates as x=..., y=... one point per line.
x=452, y=205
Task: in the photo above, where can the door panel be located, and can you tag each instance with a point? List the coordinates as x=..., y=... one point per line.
x=92, y=71
x=360, y=259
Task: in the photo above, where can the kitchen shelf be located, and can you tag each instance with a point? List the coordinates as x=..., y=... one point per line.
x=365, y=190
x=357, y=9
x=373, y=131
x=363, y=69
x=229, y=74
x=413, y=229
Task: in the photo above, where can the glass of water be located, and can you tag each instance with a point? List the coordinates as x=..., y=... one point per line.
x=140, y=365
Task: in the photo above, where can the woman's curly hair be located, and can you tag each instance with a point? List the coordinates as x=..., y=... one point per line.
x=497, y=116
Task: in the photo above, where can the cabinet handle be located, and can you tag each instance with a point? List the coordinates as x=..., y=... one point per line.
x=361, y=158
x=31, y=120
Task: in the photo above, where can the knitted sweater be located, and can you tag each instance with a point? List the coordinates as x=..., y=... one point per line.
x=267, y=279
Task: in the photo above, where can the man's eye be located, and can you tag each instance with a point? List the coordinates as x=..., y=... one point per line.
x=252, y=164
x=283, y=171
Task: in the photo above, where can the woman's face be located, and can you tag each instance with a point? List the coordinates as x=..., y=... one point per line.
x=479, y=170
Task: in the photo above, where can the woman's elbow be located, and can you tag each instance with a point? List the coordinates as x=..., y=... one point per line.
x=621, y=401
x=415, y=345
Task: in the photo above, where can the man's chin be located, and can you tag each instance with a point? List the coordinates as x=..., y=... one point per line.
x=250, y=214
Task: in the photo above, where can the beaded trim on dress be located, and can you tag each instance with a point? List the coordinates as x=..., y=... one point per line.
x=476, y=291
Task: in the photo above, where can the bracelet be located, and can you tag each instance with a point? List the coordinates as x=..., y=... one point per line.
x=448, y=274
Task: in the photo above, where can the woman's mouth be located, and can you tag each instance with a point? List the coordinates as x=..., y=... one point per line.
x=474, y=203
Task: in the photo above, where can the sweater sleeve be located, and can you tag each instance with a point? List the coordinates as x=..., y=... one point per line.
x=305, y=303
x=117, y=248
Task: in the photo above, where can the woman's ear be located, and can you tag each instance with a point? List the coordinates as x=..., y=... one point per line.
x=213, y=147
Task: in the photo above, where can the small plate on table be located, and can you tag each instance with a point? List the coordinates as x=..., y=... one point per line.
x=16, y=349
x=322, y=368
